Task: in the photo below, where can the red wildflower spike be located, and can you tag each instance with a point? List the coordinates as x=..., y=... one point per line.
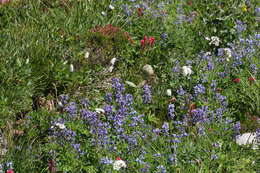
x=142, y=43
x=190, y=2
x=251, y=79
x=139, y=12
x=145, y=39
x=52, y=168
x=151, y=41
x=10, y=171
x=118, y=158
x=236, y=80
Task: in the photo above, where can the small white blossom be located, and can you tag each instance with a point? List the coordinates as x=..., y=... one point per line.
x=113, y=60
x=186, y=70
x=215, y=41
x=118, y=164
x=60, y=126
x=86, y=55
x=99, y=110
x=169, y=92
x=228, y=53
x=103, y=13
x=111, y=68
x=111, y=7
x=71, y=68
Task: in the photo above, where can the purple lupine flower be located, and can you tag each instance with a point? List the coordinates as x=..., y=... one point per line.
x=181, y=91
x=85, y=102
x=214, y=156
x=237, y=128
x=165, y=128
x=171, y=111
x=199, y=89
x=72, y=109
x=164, y=36
x=64, y=99
x=253, y=68
x=201, y=130
x=219, y=113
x=221, y=99
x=106, y=161
x=198, y=115
x=161, y=169
x=210, y=65
x=147, y=97
x=108, y=97
x=77, y=148
x=172, y=158
x=240, y=26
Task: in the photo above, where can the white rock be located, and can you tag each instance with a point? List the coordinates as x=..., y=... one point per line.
x=130, y=84
x=248, y=139
x=148, y=69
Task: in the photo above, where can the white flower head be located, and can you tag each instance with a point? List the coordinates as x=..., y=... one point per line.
x=71, y=68
x=99, y=110
x=60, y=126
x=110, y=69
x=214, y=40
x=118, y=164
x=186, y=70
x=169, y=92
x=113, y=60
x=86, y=55
x=103, y=13
x=111, y=7
x=228, y=52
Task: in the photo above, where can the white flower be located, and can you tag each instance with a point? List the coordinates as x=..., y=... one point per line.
x=86, y=55
x=248, y=138
x=228, y=53
x=118, y=164
x=130, y=84
x=214, y=40
x=186, y=70
x=103, y=13
x=60, y=125
x=113, y=60
x=71, y=68
x=99, y=110
x=111, y=68
x=169, y=92
x=111, y=7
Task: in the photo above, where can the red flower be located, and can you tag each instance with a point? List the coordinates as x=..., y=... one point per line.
x=151, y=41
x=236, y=80
x=9, y=171
x=118, y=158
x=251, y=79
x=52, y=167
x=190, y=2
x=142, y=43
x=139, y=12
x=145, y=39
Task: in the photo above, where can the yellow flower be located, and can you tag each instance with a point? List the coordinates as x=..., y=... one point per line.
x=244, y=8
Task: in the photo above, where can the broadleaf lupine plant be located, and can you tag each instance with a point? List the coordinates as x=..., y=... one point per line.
x=122, y=132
